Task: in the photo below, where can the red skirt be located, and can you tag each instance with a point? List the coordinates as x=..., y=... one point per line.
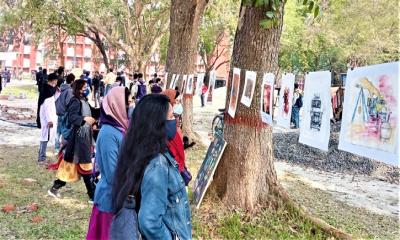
x=99, y=225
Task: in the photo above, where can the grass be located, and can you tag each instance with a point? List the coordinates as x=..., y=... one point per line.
x=68, y=217
x=30, y=91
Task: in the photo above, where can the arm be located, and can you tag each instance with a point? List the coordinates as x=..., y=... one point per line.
x=74, y=115
x=47, y=113
x=153, y=203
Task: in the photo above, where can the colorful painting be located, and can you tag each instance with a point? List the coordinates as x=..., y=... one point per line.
x=189, y=84
x=211, y=85
x=199, y=83
x=234, y=92
x=249, y=86
x=371, y=113
x=285, y=101
x=207, y=169
x=267, y=96
x=317, y=107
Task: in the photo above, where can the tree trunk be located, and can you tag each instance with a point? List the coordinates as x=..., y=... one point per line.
x=246, y=176
x=100, y=45
x=185, y=19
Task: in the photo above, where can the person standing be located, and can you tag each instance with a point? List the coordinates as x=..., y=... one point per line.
x=39, y=79
x=77, y=159
x=147, y=172
x=96, y=89
x=1, y=83
x=114, y=119
x=204, y=89
x=108, y=80
x=297, y=104
x=141, y=87
x=47, y=117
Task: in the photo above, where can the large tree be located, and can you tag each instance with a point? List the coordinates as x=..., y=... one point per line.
x=185, y=19
x=246, y=176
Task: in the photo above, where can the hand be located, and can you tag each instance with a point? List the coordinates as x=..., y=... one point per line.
x=50, y=124
x=89, y=120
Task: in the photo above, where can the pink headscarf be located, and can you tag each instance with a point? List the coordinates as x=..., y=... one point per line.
x=114, y=105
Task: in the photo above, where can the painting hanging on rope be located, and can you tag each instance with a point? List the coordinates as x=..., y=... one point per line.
x=285, y=101
x=267, y=97
x=249, y=86
x=189, y=84
x=371, y=113
x=171, y=83
x=199, y=83
x=317, y=107
x=164, y=82
x=211, y=85
x=234, y=95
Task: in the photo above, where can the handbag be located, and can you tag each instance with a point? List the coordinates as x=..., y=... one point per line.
x=125, y=223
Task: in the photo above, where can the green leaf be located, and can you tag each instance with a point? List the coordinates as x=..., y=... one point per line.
x=260, y=3
x=267, y=23
x=270, y=14
x=316, y=11
x=311, y=6
x=304, y=2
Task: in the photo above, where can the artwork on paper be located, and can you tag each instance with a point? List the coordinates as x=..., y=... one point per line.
x=234, y=92
x=285, y=101
x=207, y=169
x=189, y=84
x=176, y=80
x=317, y=106
x=172, y=83
x=199, y=83
x=267, y=97
x=249, y=86
x=183, y=85
x=211, y=85
x=164, y=83
x=371, y=113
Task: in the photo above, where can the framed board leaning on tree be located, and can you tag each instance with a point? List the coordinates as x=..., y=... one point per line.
x=207, y=169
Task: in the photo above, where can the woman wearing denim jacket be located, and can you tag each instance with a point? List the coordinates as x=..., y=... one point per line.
x=147, y=171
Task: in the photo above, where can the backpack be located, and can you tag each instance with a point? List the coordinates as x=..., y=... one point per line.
x=125, y=223
x=299, y=101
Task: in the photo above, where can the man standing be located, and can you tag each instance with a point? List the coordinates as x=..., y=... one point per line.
x=141, y=87
x=39, y=78
x=204, y=89
x=297, y=104
x=108, y=80
x=96, y=89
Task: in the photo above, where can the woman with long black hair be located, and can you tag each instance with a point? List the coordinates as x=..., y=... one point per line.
x=77, y=161
x=148, y=172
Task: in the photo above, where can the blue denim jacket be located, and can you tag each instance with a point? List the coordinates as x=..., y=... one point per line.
x=164, y=206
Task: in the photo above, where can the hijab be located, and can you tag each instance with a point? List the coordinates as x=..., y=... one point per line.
x=113, y=109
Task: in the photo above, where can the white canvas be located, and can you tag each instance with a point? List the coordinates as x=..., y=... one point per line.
x=267, y=97
x=234, y=95
x=171, y=84
x=176, y=79
x=199, y=83
x=183, y=86
x=285, y=101
x=211, y=85
x=370, y=123
x=164, y=86
x=249, y=86
x=317, y=105
x=189, y=84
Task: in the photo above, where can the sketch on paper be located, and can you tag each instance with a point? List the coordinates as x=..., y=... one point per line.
x=234, y=95
x=183, y=86
x=211, y=85
x=171, y=84
x=249, y=86
x=285, y=101
x=189, y=87
x=371, y=113
x=199, y=83
x=317, y=105
x=267, y=95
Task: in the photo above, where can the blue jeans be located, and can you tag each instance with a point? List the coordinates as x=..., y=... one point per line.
x=42, y=151
x=295, y=116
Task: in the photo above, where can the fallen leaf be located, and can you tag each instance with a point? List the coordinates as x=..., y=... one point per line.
x=32, y=207
x=37, y=219
x=7, y=208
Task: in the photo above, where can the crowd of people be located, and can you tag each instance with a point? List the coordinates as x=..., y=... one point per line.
x=127, y=147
